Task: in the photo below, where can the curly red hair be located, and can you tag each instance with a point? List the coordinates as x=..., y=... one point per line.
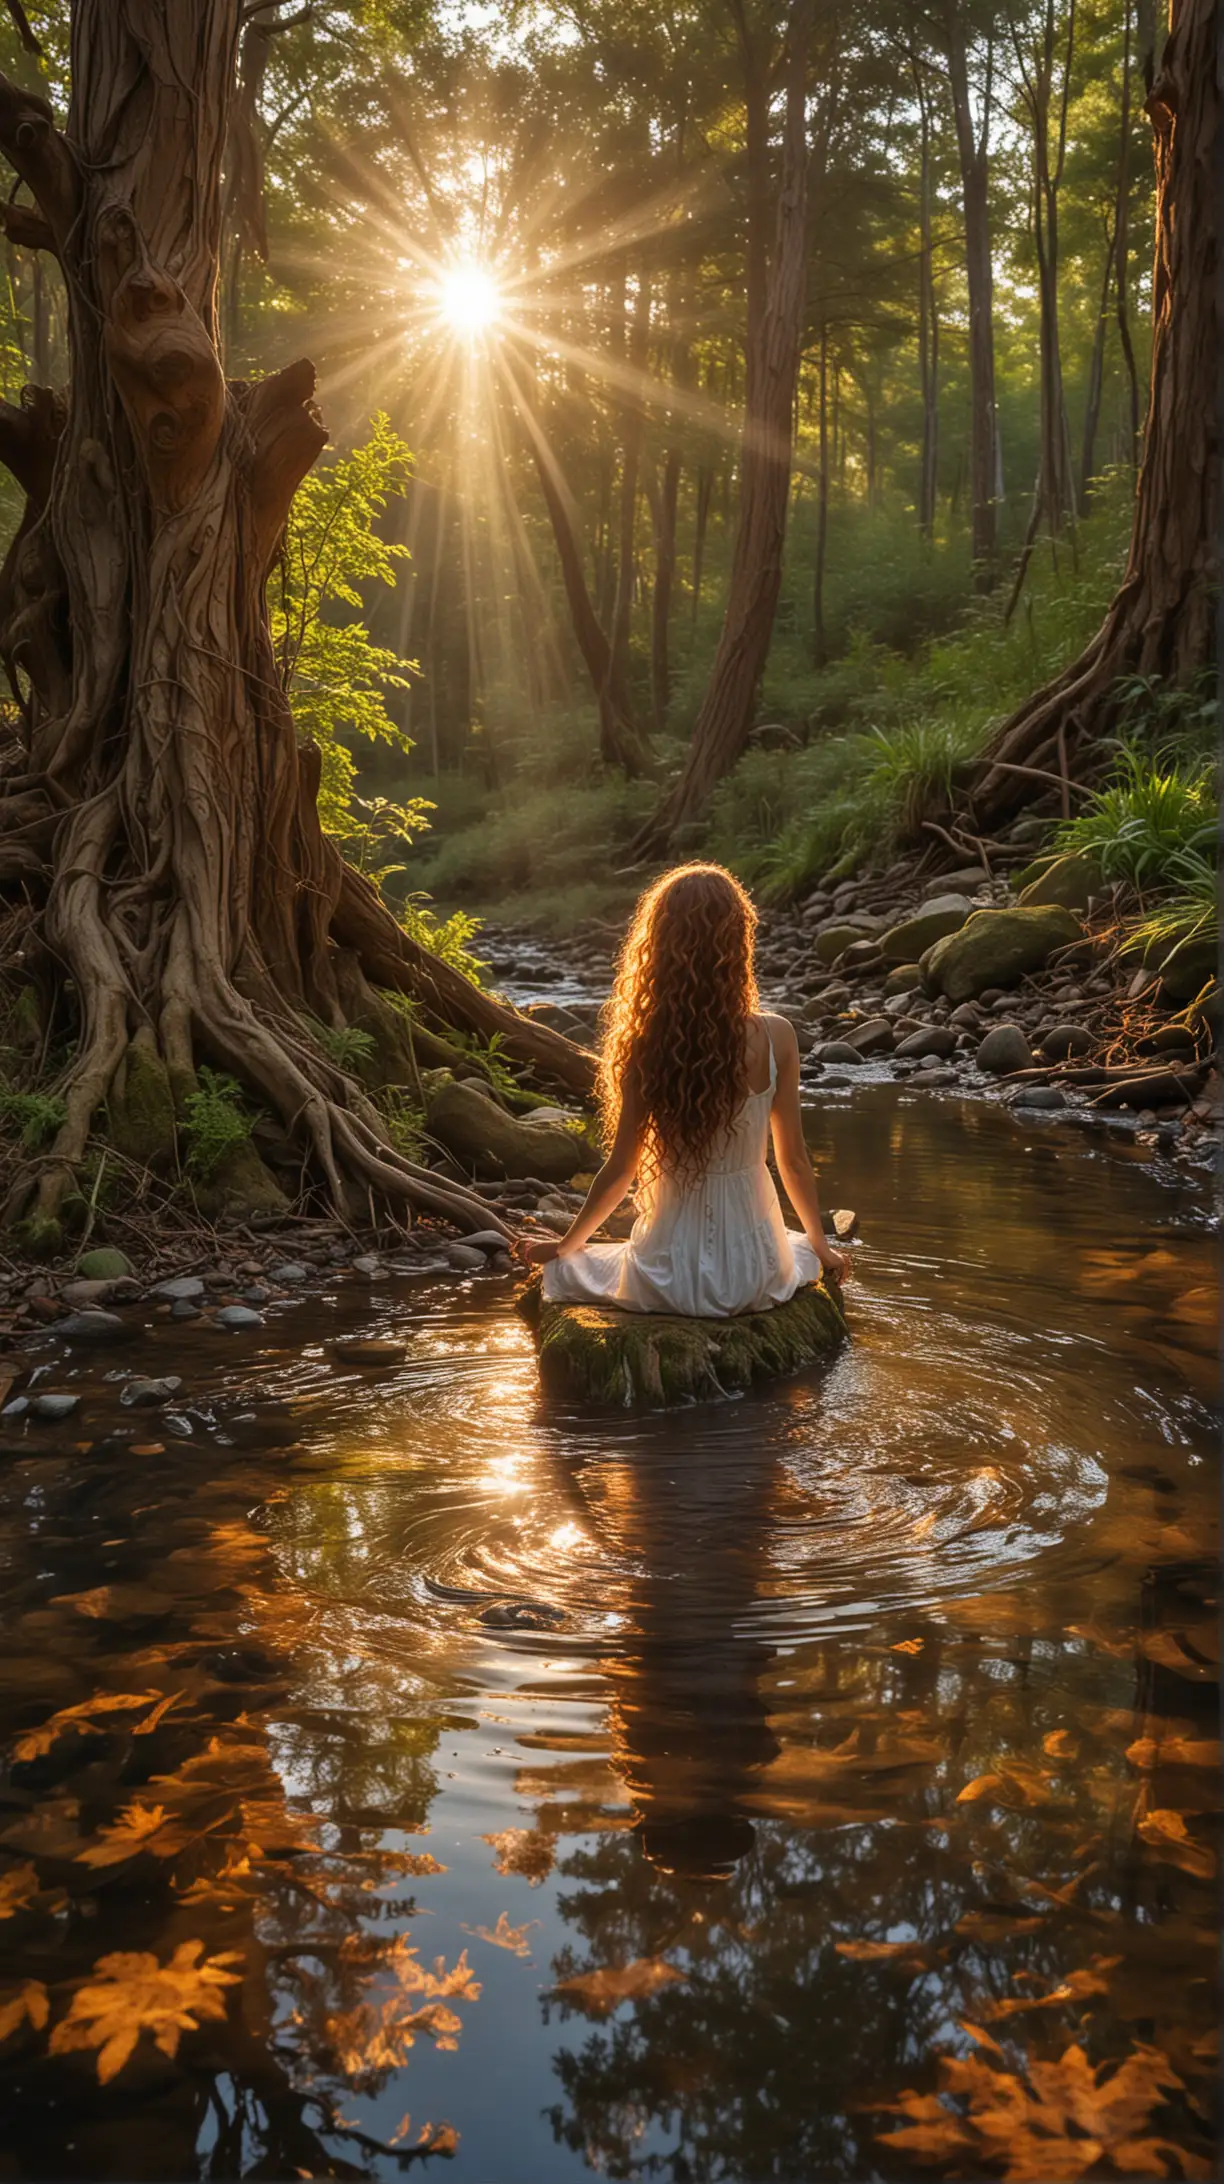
x=676, y=1024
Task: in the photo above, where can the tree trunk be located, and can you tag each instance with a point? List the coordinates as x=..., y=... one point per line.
x=1122, y=238
x=160, y=846
x=1162, y=620
x=972, y=145
x=724, y=721
x=820, y=649
x=1096, y=378
x=631, y=463
x=928, y=319
x=701, y=518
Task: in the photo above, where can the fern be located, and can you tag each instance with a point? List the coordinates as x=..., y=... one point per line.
x=348, y=1047
x=35, y=1116
x=215, y=1122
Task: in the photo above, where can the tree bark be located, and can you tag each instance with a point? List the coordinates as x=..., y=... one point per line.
x=928, y=316
x=159, y=837
x=1162, y=619
x=638, y=350
x=1054, y=498
x=1122, y=237
x=820, y=649
x=724, y=720
x=1096, y=379
x=973, y=148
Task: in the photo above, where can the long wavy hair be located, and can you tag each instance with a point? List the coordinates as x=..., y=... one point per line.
x=676, y=1025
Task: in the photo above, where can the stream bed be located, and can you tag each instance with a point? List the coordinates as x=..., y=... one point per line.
x=870, y=1721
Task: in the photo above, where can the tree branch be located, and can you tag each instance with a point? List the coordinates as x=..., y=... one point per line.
x=24, y=32
x=29, y=434
x=288, y=435
x=33, y=146
x=23, y=225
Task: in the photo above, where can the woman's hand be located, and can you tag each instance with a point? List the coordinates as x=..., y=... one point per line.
x=832, y=1261
x=537, y=1250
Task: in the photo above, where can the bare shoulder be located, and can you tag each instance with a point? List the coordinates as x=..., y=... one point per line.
x=782, y=1038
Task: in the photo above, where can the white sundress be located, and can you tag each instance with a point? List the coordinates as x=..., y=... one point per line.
x=707, y=1248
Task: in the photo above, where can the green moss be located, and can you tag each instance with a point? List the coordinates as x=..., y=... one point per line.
x=238, y=1186
x=141, y=1109
x=41, y=1237
x=595, y=1355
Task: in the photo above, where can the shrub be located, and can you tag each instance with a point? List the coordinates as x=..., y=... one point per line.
x=1152, y=813
x=34, y=1116
x=214, y=1121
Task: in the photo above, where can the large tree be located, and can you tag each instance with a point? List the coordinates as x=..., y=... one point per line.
x=1162, y=620
x=163, y=874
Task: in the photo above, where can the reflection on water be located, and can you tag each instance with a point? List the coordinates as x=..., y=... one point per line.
x=859, y=1712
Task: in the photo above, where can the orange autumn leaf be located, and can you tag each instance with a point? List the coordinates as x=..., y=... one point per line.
x=79, y=1719
x=1078, y=1986
x=138, y=1827
x=982, y=1785
x=615, y=1983
x=18, y=1887
x=909, y=1645
x=27, y=2005
x=1060, y=1744
x=1167, y=1833
x=131, y=1993
x=505, y=1936
x=525, y=1851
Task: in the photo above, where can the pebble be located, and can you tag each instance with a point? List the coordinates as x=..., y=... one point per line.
x=17, y=1408
x=1003, y=1050
x=258, y=1293
x=935, y=1040
x=1040, y=1096
x=369, y=1266
x=184, y=1309
x=967, y=1016
x=837, y=1050
x=467, y=1258
x=485, y=1239
x=52, y=1406
x=845, y=1222
x=932, y=1074
x=93, y=1327
x=86, y=1292
x=238, y=1315
x=1064, y=1040
x=150, y=1391
x=873, y=1037
x=290, y=1272
x=182, y=1289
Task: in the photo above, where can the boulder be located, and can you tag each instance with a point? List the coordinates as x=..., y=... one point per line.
x=873, y=1037
x=484, y=1138
x=906, y=942
x=929, y=1042
x=962, y=882
x=1071, y=880
x=837, y=1050
x=996, y=948
x=832, y=940
x=103, y=1265
x=1003, y=1050
x=592, y=1354
x=907, y=978
x=1187, y=966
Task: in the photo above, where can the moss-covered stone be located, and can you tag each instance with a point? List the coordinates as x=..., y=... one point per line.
x=906, y=942
x=105, y=1264
x=240, y=1188
x=592, y=1354
x=997, y=948
x=483, y=1138
x=1071, y=880
x=141, y=1109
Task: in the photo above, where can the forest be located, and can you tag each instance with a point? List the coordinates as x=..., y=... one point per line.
x=762, y=435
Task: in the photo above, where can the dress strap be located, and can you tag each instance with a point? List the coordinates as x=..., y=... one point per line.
x=773, y=1059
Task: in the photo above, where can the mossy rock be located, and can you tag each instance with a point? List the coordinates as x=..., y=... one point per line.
x=240, y=1187
x=483, y=1138
x=594, y=1354
x=1071, y=880
x=906, y=942
x=1185, y=965
x=997, y=948
x=105, y=1264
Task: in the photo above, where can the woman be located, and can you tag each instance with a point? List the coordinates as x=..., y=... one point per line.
x=692, y=1081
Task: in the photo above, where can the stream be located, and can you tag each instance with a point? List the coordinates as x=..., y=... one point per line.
x=866, y=1708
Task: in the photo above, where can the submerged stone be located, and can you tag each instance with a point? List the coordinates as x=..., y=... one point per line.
x=594, y=1354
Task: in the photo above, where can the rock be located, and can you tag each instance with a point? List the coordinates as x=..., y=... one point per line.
x=289, y=1273
x=52, y=1406
x=908, y=941
x=1040, y=1096
x=845, y=1223
x=183, y=1288
x=94, y=1326
x=967, y=1016
x=258, y=1293
x=140, y=1107
x=905, y=979
x=1003, y=1050
x=833, y=939
x=481, y=1135
x=1152, y=1090
x=963, y=881
x=930, y=1040
x=1062, y=1041
x=18, y=1408
x=79, y=1293
x=103, y=1265
x=240, y=1188
x=236, y=1316
x=368, y=1265
x=1071, y=880
x=141, y=1392
x=837, y=1050
x=1187, y=967
x=466, y=1259
x=593, y=1355
x=487, y=1240
x=1166, y=1039
x=184, y=1309
x=930, y=1074
x=371, y=1351
x=996, y=948
x=873, y=1037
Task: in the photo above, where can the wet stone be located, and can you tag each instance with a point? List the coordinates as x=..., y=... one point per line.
x=369, y=1267
x=94, y=1326
x=53, y=1406
x=256, y=1294
x=1040, y=1096
x=930, y=1040
x=371, y=1352
x=142, y=1392
x=489, y=1240
x=184, y=1309
x=183, y=1288
x=289, y=1272
x=837, y=1050
x=1004, y=1049
x=1062, y=1041
x=18, y=1408
x=236, y=1316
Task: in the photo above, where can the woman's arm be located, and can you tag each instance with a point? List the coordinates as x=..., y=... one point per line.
x=606, y=1192
x=790, y=1149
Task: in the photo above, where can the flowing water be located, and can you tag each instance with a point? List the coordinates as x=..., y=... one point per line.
x=857, y=1712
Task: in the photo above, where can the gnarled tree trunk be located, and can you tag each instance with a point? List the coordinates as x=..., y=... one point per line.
x=160, y=850
x=1161, y=622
